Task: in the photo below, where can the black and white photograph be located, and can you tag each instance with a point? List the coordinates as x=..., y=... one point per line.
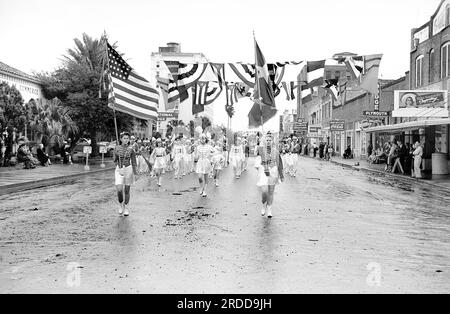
x=223, y=153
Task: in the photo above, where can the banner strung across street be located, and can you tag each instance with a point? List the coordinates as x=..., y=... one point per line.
x=420, y=104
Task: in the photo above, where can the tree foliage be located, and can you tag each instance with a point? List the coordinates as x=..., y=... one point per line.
x=12, y=110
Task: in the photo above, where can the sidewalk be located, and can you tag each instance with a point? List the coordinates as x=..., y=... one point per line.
x=14, y=179
x=442, y=181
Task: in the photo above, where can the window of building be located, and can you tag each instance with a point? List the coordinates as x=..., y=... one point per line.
x=445, y=60
x=431, y=66
x=419, y=71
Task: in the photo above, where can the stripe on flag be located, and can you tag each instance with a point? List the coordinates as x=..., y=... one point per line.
x=184, y=77
x=315, y=73
x=245, y=73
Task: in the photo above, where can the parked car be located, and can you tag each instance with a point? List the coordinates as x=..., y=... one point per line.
x=77, y=152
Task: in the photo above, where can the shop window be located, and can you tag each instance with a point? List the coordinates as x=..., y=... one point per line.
x=419, y=71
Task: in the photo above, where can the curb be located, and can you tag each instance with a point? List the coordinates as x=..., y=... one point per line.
x=406, y=179
x=18, y=187
x=390, y=175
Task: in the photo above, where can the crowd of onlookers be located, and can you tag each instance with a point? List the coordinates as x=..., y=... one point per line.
x=399, y=157
x=30, y=154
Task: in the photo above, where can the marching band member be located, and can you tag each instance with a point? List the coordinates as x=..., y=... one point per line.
x=270, y=172
x=237, y=158
x=203, y=154
x=125, y=158
x=218, y=162
x=159, y=156
x=178, y=154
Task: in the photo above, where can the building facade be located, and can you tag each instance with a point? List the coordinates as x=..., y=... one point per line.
x=429, y=70
x=29, y=86
x=181, y=111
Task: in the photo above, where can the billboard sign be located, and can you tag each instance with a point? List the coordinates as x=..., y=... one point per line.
x=420, y=104
x=337, y=125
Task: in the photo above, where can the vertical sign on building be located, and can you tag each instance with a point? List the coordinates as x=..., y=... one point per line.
x=377, y=99
x=281, y=124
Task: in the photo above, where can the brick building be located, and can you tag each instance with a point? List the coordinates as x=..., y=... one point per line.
x=429, y=70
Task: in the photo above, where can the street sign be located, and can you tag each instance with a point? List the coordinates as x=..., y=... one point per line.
x=300, y=126
x=375, y=114
x=102, y=149
x=163, y=116
x=87, y=149
x=314, y=129
x=337, y=125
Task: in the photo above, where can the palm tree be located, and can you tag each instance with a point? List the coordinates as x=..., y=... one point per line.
x=89, y=52
x=52, y=123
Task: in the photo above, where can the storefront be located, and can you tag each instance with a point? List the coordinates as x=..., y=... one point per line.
x=433, y=134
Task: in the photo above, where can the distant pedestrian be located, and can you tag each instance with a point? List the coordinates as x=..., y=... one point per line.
x=125, y=158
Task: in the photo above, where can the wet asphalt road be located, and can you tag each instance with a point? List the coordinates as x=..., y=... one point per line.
x=334, y=230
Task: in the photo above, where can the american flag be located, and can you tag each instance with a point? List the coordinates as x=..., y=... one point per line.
x=129, y=92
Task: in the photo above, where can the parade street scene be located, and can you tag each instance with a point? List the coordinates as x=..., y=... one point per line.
x=217, y=148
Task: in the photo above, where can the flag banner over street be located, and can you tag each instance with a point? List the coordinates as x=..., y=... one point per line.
x=129, y=92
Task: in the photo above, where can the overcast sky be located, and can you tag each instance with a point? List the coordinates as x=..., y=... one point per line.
x=35, y=33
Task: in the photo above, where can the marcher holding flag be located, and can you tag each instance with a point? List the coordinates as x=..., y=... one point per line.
x=125, y=158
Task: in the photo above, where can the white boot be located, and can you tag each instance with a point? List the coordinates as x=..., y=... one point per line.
x=120, y=209
x=263, y=210
x=269, y=211
x=125, y=210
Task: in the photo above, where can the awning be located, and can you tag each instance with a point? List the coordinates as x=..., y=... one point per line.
x=408, y=125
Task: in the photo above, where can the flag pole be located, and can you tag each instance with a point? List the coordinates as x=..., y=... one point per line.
x=113, y=99
x=257, y=86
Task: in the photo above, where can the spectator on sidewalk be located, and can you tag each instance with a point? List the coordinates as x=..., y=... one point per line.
x=43, y=157
x=315, y=149
x=418, y=153
x=348, y=153
x=24, y=155
x=402, y=154
x=321, y=148
x=393, y=154
x=65, y=153
x=369, y=149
